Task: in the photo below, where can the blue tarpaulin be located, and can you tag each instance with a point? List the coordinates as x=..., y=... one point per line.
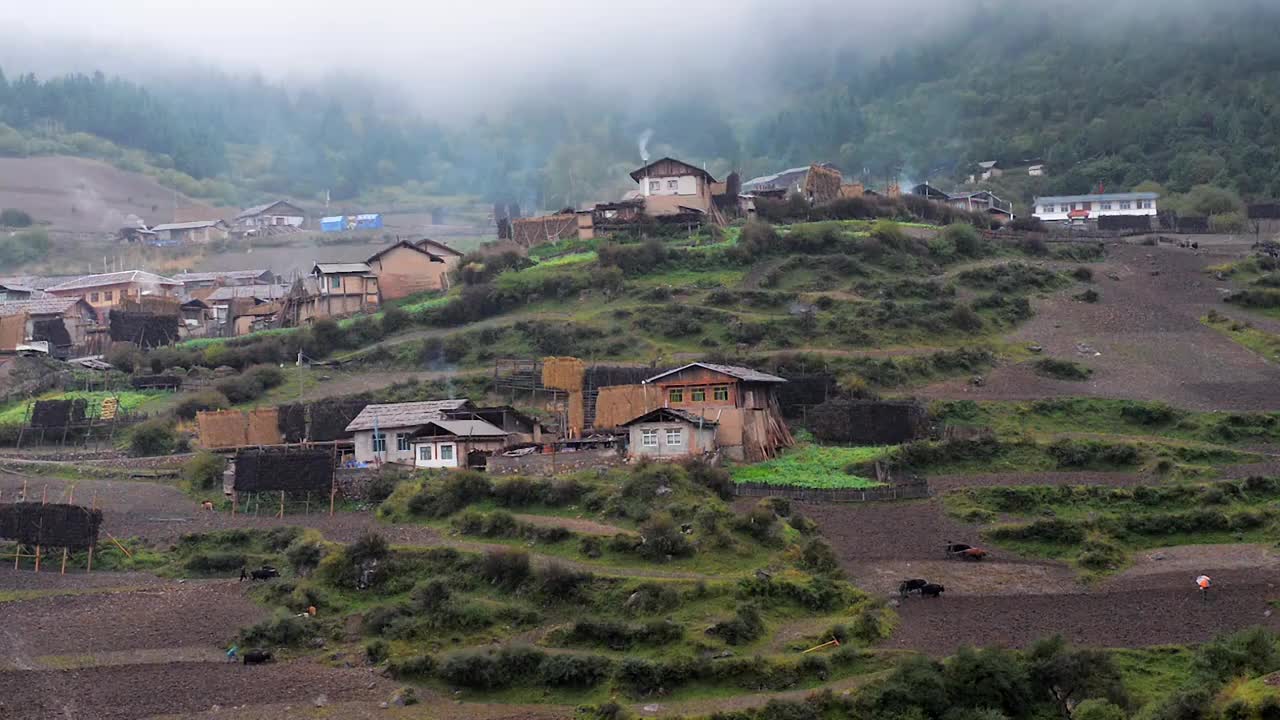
x=339, y=223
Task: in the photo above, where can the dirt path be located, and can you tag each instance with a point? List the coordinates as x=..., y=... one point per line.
x=1147, y=330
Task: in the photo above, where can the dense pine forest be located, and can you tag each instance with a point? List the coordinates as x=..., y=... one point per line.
x=1182, y=99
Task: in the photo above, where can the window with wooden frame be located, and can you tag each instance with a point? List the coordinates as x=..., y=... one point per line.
x=93, y=297
x=424, y=453
x=108, y=296
x=698, y=395
x=675, y=395
x=721, y=393
x=402, y=442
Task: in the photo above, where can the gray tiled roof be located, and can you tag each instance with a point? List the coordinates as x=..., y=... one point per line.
x=742, y=373
x=115, y=278
x=403, y=415
x=329, y=268
x=469, y=428
x=43, y=306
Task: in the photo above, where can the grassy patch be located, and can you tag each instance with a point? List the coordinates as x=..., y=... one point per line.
x=1264, y=343
x=814, y=466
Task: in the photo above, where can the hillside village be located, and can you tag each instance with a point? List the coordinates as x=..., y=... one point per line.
x=767, y=435
x=929, y=383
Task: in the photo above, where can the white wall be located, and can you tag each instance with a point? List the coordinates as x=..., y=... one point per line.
x=1055, y=212
x=364, y=446
x=433, y=451
x=685, y=185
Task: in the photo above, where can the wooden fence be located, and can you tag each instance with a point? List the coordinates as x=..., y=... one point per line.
x=896, y=491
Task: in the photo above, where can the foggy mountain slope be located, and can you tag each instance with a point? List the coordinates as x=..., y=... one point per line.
x=1115, y=93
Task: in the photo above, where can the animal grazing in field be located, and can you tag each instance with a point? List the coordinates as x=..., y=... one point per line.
x=257, y=657
x=207, y=505
x=963, y=551
x=932, y=590
x=266, y=572
x=911, y=586
x=974, y=554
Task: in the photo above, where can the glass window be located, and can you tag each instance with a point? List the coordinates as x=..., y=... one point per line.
x=649, y=438
x=675, y=436
x=424, y=453
x=721, y=393
x=107, y=295
x=379, y=442
x=1126, y=205
x=93, y=297
x=402, y=441
x=675, y=395
x=698, y=395
x=335, y=282
x=1106, y=206
x=655, y=185
x=672, y=184
x=446, y=452
x=1066, y=207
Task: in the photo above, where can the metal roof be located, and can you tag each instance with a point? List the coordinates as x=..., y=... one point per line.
x=466, y=428
x=742, y=373
x=43, y=306
x=259, y=209
x=681, y=415
x=403, y=415
x=428, y=244
x=186, y=277
x=186, y=225
x=341, y=268
x=1098, y=198
x=115, y=278
x=257, y=292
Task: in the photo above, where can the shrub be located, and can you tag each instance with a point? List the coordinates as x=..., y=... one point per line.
x=964, y=237
x=375, y=651
x=394, y=319
x=1083, y=274
x=14, y=218
x=661, y=539
x=124, y=357
x=581, y=671
x=204, y=471
x=745, y=626
x=190, y=405
x=215, y=563
x=153, y=437
x=1062, y=369
x=817, y=556
x=560, y=583
x=1100, y=554
x=1088, y=296
x=490, y=670
x=305, y=554
x=282, y=630
x=964, y=318
x=1149, y=414
x=507, y=569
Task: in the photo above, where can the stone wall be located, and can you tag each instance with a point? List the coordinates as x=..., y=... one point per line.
x=353, y=483
x=554, y=463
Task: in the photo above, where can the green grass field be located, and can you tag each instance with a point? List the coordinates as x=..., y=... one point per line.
x=813, y=466
x=130, y=400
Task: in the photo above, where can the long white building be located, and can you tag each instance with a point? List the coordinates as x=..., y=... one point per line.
x=1090, y=207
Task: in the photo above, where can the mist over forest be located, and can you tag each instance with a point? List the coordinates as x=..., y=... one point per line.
x=550, y=113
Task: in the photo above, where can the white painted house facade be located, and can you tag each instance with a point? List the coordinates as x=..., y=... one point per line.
x=1065, y=208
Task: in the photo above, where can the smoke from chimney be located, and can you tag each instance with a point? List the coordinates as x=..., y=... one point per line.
x=643, y=144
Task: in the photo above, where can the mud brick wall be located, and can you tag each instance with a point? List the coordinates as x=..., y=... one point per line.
x=554, y=464
x=1124, y=222
x=54, y=524
x=236, y=428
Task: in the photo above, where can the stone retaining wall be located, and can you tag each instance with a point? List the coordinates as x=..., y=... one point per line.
x=907, y=491
x=554, y=463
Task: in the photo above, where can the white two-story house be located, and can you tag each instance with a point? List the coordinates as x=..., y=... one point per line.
x=1082, y=208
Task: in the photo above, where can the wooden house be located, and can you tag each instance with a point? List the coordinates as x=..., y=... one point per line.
x=742, y=402
x=456, y=443
x=331, y=290
x=273, y=214
x=406, y=268
x=64, y=323
x=110, y=291
x=196, y=231
x=384, y=432
x=673, y=187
